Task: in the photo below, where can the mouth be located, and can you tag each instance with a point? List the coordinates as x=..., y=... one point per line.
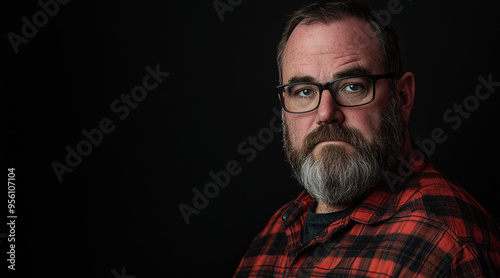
x=330, y=142
x=318, y=146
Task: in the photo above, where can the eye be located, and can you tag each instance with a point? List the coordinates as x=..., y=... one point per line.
x=302, y=91
x=305, y=93
x=353, y=87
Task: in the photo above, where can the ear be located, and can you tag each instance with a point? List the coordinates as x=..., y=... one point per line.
x=405, y=90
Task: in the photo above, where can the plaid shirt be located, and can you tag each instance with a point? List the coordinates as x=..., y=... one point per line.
x=423, y=226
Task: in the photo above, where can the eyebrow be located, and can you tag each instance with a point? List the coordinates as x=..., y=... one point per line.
x=354, y=71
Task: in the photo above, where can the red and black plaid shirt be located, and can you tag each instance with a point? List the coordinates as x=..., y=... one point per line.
x=425, y=226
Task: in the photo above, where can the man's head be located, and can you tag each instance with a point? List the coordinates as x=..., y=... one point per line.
x=339, y=150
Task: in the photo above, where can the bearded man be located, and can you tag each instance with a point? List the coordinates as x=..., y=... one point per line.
x=373, y=206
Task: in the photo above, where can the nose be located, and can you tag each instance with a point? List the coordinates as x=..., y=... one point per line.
x=329, y=111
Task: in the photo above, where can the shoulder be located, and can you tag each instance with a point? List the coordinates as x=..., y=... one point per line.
x=465, y=230
x=444, y=201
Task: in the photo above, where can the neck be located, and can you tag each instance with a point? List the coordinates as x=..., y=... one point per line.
x=325, y=208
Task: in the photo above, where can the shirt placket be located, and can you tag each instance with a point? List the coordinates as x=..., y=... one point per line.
x=301, y=263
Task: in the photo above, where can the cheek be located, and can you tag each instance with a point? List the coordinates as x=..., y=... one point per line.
x=367, y=121
x=298, y=127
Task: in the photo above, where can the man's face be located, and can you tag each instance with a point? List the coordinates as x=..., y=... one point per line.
x=335, y=150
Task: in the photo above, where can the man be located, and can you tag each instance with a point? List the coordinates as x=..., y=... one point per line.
x=373, y=206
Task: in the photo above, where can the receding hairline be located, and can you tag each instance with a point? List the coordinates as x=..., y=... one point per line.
x=327, y=11
x=309, y=22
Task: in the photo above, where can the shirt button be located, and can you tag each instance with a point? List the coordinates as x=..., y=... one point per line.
x=285, y=216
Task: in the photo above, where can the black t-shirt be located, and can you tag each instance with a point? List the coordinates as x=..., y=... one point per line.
x=316, y=222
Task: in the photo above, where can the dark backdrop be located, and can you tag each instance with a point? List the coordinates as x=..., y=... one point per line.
x=117, y=213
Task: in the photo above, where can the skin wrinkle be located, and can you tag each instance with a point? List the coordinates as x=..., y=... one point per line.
x=340, y=46
x=346, y=64
x=353, y=71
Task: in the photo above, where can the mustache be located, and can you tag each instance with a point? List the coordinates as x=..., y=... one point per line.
x=332, y=132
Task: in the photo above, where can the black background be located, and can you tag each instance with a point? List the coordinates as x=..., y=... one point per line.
x=119, y=207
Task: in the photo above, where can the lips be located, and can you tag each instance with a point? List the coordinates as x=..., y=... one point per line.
x=329, y=141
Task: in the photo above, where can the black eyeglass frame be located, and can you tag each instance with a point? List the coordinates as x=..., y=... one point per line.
x=328, y=86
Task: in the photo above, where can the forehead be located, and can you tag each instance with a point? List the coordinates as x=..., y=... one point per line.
x=320, y=50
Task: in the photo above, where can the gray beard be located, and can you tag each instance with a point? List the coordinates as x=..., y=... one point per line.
x=337, y=177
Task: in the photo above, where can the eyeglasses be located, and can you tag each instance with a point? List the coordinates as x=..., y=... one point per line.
x=305, y=97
